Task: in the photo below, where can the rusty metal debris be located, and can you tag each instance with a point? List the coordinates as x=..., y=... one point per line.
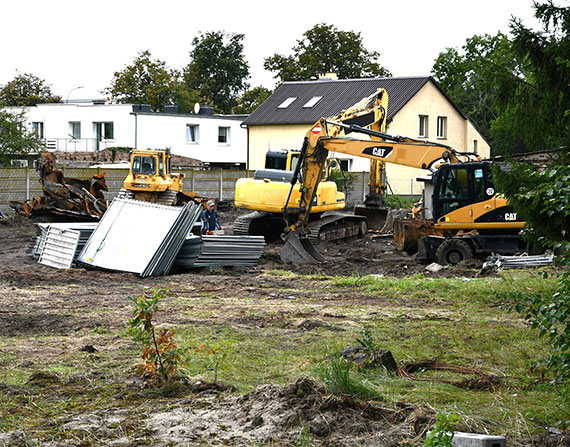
x=65, y=196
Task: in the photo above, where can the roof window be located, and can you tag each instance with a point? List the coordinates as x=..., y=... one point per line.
x=311, y=102
x=287, y=102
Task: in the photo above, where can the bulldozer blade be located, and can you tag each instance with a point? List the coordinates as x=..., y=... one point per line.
x=300, y=251
x=376, y=215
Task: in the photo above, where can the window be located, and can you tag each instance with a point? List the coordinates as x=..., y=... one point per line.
x=441, y=127
x=311, y=102
x=223, y=134
x=75, y=129
x=108, y=131
x=423, y=127
x=287, y=102
x=191, y=133
x=38, y=128
x=475, y=146
x=144, y=165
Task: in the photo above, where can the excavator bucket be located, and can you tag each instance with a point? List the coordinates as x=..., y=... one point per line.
x=299, y=250
x=376, y=215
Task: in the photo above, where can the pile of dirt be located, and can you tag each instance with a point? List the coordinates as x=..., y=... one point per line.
x=279, y=415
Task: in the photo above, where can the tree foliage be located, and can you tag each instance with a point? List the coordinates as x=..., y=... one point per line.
x=217, y=69
x=251, y=100
x=323, y=49
x=516, y=90
x=16, y=140
x=146, y=81
x=26, y=90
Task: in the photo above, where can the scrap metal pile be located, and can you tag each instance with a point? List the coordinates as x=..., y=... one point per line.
x=143, y=238
x=65, y=196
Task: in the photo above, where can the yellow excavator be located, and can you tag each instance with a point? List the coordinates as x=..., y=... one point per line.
x=265, y=194
x=150, y=179
x=466, y=214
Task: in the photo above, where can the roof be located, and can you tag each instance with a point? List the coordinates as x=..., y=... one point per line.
x=337, y=95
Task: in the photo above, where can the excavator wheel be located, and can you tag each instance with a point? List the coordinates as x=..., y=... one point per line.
x=453, y=251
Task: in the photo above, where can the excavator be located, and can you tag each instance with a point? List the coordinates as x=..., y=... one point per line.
x=265, y=193
x=150, y=179
x=465, y=214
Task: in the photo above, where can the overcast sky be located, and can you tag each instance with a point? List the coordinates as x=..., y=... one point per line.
x=82, y=43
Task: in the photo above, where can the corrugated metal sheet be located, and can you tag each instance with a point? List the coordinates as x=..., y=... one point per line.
x=59, y=248
x=336, y=97
x=139, y=237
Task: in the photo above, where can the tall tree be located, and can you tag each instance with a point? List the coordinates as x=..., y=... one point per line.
x=535, y=108
x=322, y=49
x=26, y=90
x=251, y=100
x=470, y=76
x=217, y=69
x=146, y=81
x=16, y=139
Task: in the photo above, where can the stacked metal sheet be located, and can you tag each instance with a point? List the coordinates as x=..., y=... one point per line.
x=221, y=251
x=85, y=228
x=139, y=237
x=511, y=262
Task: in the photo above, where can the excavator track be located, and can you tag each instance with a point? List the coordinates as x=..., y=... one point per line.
x=331, y=226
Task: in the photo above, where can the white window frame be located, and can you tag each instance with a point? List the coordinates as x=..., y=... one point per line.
x=38, y=127
x=423, y=125
x=224, y=138
x=312, y=102
x=75, y=126
x=475, y=146
x=287, y=102
x=442, y=127
x=192, y=137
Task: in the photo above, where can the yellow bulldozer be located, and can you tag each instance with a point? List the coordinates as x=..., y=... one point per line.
x=150, y=179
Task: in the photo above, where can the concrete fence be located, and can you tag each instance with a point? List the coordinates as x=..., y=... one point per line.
x=20, y=184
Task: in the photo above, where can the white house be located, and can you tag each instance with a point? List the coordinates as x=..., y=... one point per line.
x=217, y=140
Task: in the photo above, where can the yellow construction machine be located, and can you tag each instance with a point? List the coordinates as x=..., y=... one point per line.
x=465, y=215
x=150, y=179
x=265, y=194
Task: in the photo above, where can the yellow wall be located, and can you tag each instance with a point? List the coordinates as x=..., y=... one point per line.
x=428, y=101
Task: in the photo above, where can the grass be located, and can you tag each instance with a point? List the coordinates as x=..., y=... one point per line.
x=416, y=318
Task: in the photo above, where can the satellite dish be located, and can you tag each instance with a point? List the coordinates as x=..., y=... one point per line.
x=197, y=108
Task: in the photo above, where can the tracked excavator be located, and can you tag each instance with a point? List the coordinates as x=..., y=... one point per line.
x=266, y=192
x=466, y=215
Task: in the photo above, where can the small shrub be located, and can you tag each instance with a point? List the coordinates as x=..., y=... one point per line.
x=216, y=354
x=444, y=430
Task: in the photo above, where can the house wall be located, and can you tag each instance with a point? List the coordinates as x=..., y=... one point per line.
x=273, y=137
x=149, y=130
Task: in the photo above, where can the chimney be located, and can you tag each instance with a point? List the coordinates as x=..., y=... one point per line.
x=330, y=76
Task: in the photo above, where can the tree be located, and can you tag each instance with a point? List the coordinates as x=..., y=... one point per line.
x=26, y=90
x=251, y=100
x=470, y=76
x=535, y=108
x=146, y=81
x=16, y=140
x=217, y=69
x=325, y=49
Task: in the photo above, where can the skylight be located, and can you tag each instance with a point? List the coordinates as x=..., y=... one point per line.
x=287, y=102
x=311, y=102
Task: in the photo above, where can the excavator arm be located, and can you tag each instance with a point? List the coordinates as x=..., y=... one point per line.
x=329, y=135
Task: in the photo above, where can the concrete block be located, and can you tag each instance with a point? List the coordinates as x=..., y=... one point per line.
x=462, y=439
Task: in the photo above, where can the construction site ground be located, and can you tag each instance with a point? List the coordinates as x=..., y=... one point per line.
x=68, y=368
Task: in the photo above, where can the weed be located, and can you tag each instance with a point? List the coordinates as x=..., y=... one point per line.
x=304, y=439
x=443, y=432
x=160, y=353
x=216, y=354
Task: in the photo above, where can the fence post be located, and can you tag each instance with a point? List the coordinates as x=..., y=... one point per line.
x=221, y=182
x=192, y=182
x=411, y=187
x=27, y=182
x=363, y=185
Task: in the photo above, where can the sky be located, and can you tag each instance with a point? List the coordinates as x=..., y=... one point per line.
x=76, y=46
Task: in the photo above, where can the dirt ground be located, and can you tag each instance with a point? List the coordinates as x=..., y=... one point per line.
x=48, y=313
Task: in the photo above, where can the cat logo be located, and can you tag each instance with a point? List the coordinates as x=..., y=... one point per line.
x=510, y=216
x=378, y=151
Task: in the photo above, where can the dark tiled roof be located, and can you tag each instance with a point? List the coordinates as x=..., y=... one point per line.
x=336, y=96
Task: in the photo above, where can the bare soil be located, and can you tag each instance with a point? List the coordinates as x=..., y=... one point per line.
x=46, y=314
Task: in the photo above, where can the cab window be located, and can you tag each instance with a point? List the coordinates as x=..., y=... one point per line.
x=144, y=165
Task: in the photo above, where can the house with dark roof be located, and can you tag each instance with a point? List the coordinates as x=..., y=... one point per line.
x=417, y=108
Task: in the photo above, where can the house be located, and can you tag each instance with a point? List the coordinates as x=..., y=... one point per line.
x=216, y=140
x=417, y=108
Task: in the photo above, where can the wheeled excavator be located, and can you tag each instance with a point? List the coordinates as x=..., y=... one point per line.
x=266, y=192
x=466, y=215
